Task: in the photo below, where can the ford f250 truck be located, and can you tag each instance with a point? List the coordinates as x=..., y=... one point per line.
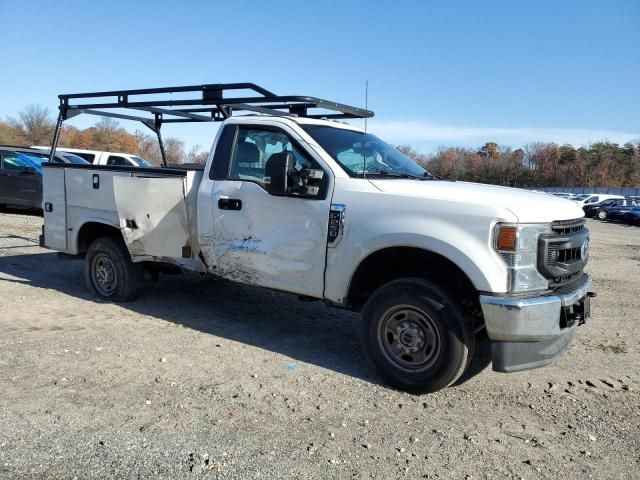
x=300, y=202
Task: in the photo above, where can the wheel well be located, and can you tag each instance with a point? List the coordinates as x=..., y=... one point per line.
x=91, y=231
x=393, y=263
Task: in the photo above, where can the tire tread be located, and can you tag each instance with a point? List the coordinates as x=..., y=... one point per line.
x=129, y=273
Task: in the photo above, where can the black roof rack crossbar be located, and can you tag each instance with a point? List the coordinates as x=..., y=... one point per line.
x=208, y=104
x=212, y=96
x=189, y=88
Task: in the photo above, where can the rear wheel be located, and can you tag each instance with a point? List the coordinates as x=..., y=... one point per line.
x=109, y=272
x=602, y=214
x=416, y=335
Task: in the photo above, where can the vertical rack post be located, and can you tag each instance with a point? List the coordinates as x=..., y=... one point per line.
x=56, y=133
x=158, y=125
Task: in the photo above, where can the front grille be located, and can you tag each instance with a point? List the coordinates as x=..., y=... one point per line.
x=568, y=254
x=566, y=227
x=560, y=253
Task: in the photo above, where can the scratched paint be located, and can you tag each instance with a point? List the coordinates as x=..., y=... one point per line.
x=276, y=242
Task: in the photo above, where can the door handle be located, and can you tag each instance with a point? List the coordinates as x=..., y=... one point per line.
x=229, y=204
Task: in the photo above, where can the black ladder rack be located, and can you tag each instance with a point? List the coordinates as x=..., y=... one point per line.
x=209, y=104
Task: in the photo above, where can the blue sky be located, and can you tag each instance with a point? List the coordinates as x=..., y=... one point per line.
x=440, y=73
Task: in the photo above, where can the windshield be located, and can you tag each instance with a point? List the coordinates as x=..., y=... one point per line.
x=139, y=161
x=362, y=154
x=75, y=159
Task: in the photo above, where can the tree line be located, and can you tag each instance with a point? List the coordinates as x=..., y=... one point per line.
x=35, y=125
x=537, y=164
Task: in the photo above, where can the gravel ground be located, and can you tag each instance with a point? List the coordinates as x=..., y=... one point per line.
x=206, y=379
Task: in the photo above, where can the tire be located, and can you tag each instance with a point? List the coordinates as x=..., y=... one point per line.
x=602, y=214
x=109, y=272
x=416, y=336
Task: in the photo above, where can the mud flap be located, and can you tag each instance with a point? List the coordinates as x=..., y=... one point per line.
x=153, y=215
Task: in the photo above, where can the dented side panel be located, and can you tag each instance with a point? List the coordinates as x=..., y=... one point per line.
x=276, y=242
x=153, y=215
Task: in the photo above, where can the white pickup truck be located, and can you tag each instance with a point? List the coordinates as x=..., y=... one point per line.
x=324, y=210
x=97, y=157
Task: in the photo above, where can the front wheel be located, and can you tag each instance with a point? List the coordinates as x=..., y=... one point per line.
x=602, y=214
x=416, y=335
x=109, y=272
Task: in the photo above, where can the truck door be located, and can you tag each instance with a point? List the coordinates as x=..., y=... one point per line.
x=261, y=239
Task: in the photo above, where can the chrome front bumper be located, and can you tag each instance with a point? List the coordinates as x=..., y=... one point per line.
x=532, y=332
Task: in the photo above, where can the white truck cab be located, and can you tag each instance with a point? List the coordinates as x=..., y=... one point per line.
x=98, y=157
x=326, y=211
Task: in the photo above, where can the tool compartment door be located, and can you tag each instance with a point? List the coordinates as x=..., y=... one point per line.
x=55, y=208
x=153, y=215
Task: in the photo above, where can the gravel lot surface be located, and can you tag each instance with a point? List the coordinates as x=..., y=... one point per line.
x=206, y=379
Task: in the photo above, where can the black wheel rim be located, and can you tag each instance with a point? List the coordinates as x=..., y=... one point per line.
x=103, y=275
x=409, y=338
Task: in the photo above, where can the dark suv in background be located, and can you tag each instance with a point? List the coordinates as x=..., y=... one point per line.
x=601, y=210
x=21, y=175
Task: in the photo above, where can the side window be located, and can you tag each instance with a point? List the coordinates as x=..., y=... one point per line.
x=118, y=161
x=12, y=162
x=252, y=149
x=89, y=157
x=221, y=157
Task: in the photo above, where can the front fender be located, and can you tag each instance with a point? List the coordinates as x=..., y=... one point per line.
x=465, y=241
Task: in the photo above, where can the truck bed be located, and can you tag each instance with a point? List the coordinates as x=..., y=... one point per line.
x=154, y=208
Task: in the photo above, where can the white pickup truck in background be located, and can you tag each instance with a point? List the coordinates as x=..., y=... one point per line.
x=97, y=157
x=321, y=209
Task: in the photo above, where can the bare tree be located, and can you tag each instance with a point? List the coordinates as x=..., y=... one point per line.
x=174, y=149
x=34, y=124
x=196, y=155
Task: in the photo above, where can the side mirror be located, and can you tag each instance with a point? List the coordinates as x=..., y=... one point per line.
x=281, y=177
x=278, y=172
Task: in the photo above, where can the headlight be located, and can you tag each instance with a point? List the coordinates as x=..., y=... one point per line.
x=518, y=247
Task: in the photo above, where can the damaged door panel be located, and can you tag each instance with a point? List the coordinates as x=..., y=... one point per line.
x=277, y=242
x=153, y=215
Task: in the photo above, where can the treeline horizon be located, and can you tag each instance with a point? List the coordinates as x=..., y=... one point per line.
x=35, y=126
x=536, y=164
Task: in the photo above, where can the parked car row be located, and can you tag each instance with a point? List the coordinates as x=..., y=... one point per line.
x=625, y=209
x=21, y=170
x=21, y=174
x=117, y=159
x=591, y=199
x=605, y=206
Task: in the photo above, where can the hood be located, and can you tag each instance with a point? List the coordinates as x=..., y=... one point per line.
x=528, y=207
